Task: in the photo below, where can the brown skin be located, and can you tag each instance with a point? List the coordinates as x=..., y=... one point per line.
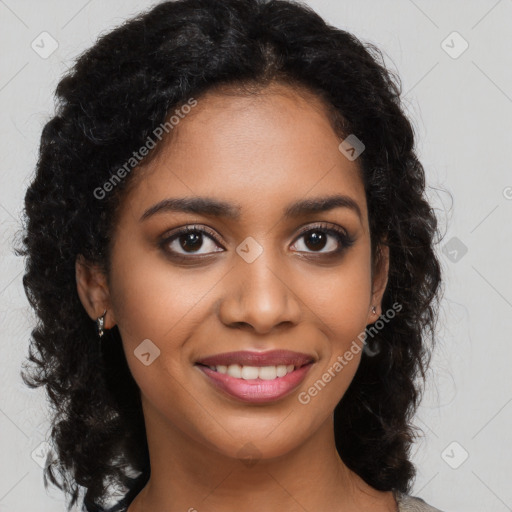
x=262, y=152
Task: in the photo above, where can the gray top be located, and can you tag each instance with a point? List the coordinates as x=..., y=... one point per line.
x=407, y=503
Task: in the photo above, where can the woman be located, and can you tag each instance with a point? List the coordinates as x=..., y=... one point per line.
x=232, y=259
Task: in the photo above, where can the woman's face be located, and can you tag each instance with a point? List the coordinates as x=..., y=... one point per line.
x=252, y=280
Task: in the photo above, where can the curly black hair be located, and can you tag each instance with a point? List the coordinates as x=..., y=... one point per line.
x=108, y=104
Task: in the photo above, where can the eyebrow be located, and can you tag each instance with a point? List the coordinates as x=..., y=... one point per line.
x=216, y=208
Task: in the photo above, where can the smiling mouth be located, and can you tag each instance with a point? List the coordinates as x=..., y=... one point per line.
x=256, y=384
x=255, y=376
x=246, y=372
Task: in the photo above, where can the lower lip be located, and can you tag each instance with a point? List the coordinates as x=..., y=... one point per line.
x=257, y=390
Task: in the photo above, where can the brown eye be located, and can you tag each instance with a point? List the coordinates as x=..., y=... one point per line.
x=315, y=240
x=323, y=240
x=190, y=240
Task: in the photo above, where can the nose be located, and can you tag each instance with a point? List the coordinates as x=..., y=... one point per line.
x=259, y=297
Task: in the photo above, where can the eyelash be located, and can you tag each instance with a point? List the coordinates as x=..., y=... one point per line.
x=344, y=239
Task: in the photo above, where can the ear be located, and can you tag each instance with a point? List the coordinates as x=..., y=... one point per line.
x=379, y=281
x=92, y=287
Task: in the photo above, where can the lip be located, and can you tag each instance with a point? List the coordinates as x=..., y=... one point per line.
x=257, y=390
x=251, y=358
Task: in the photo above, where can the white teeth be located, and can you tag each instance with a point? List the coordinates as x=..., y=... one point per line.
x=249, y=372
x=254, y=372
x=267, y=372
x=234, y=370
x=282, y=370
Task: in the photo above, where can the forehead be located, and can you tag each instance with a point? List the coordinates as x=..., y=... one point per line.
x=258, y=148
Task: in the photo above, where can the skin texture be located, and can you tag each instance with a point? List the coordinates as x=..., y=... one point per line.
x=261, y=152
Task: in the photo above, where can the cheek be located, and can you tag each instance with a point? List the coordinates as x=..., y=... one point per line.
x=341, y=301
x=153, y=301
x=150, y=298
x=344, y=313
x=341, y=298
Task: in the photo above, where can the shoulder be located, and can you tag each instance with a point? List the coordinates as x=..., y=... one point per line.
x=407, y=503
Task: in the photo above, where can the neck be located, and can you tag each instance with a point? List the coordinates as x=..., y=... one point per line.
x=189, y=476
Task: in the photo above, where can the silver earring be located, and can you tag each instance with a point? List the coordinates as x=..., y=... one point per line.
x=100, y=322
x=374, y=310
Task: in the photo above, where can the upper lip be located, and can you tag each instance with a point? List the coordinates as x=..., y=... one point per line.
x=250, y=358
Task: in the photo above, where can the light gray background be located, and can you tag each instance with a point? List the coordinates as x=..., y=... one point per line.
x=461, y=109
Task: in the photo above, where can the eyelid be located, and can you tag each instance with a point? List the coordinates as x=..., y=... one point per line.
x=201, y=228
x=327, y=226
